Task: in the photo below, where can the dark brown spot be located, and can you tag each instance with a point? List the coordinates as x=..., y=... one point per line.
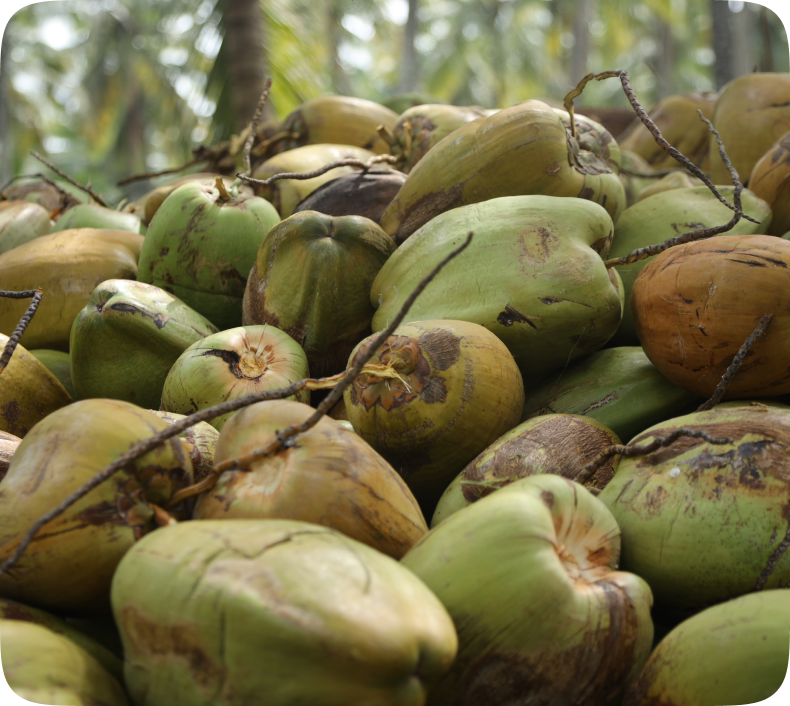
x=511, y=315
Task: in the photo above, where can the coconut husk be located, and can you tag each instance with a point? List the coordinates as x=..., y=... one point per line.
x=21, y=221
x=770, y=180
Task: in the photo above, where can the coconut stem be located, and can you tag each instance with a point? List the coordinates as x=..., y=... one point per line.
x=219, y=182
x=588, y=471
x=256, y=118
x=143, y=447
x=318, y=172
x=721, y=388
x=13, y=340
x=87, y=189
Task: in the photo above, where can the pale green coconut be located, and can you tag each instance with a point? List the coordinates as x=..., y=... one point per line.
x=21, y=221
x=92, y=215
x=59, y=364
x=235, y=612
x=201, y=440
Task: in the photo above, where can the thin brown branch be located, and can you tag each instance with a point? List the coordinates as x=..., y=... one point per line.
x=318, y=172
x=733, y=368
x=254, y=126
x=13, y=340
x=264, y=145
x=618, y=449
x=143, y=447
x=152, y=175
x=64, y=195
x=87, y=189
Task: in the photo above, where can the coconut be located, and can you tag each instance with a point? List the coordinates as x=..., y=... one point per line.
x=201, y=442
x=694, y=305
x=670, y=182
x=630, y=165
x=329, y=477
x=59, y=364
x=21, y=221
x=231, y=364
x=529, y=576
x=126, y=339
x=327, y=308
x=69, y=565
x=448, y=390
x=701, y=522
x=91, y=215
x=562, y=444
x=770, y=180
x=8, y=446
x=293, y=611
x=46, y=195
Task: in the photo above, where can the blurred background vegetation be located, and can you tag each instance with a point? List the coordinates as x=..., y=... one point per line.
x=110, y=88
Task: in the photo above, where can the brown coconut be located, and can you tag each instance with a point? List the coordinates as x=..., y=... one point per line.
x=770, y=180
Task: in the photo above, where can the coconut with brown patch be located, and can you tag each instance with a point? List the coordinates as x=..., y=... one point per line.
x=529, y=576
x=200, y=442
x=453, y=389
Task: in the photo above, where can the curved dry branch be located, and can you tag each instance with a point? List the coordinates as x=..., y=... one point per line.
x=318, y=172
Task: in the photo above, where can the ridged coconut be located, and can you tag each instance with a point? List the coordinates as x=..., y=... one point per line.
x=8, y=446
x=619, y=387
x=532, y=275
x=326, y=309
x=230, y=364
x=703, y=523
x=752, y=112
x=67, y=266
x=562, y=444
x=44, y=667
x=452, y=391
x=666, y=215
x=732, y=653
x=69, y=566
x=694, y=305
x=286, y=194
x=677, y=118
x=126, y=339
x=770, y=180
x=487, y=158
x=201, y=443
x=201, y=245
x=287, y=609
x=28, y=392
x=21, y=221
x=330, y=477
x=92, y=215
x=59, y=364
x=529, y=576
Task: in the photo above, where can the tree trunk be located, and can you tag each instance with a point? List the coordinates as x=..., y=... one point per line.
x=722, y=42
x=666, y=60
x=742, y=54
x=581, y=35
x=244, y=40
x=339, y=78
x=6, y=152
x=408, y=76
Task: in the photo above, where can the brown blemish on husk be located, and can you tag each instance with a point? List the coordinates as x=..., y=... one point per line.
x=510, y=315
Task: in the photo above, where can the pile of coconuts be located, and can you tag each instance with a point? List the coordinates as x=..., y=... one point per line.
x=562, y=477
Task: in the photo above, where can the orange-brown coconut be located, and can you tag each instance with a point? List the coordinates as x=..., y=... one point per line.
x=694, y=305
x=770, y=180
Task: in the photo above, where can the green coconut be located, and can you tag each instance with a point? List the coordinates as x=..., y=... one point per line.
x=631, y=166
x=703, y=523
x=732, y=653
x=46, y=668
x=668, y=214
x=451, y=389
x=126, y=339
x=327, y=308
x=529, y=576
x=532, y=275
x=59, y=364
x=69, y=566
x=21, y=221
x=670, y=182
x=230, y=364
x=289, y=610
x=619, y=387
x=562, y=444
x=201, y=442
x=91, y=215
x=201, y=245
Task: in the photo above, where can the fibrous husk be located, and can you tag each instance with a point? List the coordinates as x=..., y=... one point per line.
x=452, y=389
x=290, y=610
x=201, y=247
x=677, y=118
x=735, y=652
x=752, y=112
x=28, y=392
x=286, y=194
x=619, y=387
x=326, y=309
x=694, y=305
x=67, y=266
x=669, y=214
x=92, y=215
x=232, y=363
x=331, y=477
x=44, y=667
x=770, y=180
x=201, y=442
x=703, y=523
x=562, y=444
x=532, y=275
x=126, y=339
x=529, y=576
x=21, y=221
x=487, y=158
x=69, y=566
x=366, y=193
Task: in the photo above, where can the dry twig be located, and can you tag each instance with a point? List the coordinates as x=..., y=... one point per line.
x=13, y=340
x=254, y=126
x=151, y=175
x=721, y=388
x=318, y=172
x=87, y=189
